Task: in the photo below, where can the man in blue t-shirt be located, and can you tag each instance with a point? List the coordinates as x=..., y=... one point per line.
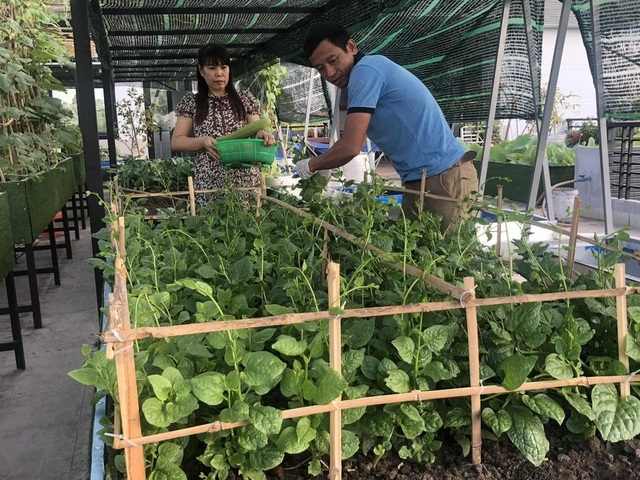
x=400, y=115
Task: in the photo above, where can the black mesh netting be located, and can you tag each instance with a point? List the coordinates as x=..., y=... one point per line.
x=619, y=66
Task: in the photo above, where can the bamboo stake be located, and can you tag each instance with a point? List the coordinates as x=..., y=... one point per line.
x=499, y=223
x=192, y=196
x=126, y=374
x=623, y=327
x=415, y=396
x=122, y=249
x=296, y=318
x=474, y=372
x=139, y=194
x=325, y=255
x=335, y=361
x=435, y=282
x=575, y=221
x=423, y=185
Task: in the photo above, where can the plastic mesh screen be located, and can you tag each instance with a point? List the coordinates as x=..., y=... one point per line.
x=292, y=101
x=619, y=37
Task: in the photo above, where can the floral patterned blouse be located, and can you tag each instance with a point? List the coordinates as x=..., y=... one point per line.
x=209, y=172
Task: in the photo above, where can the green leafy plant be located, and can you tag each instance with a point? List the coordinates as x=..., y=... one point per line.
x=587, y=135
x=138, y=121
x=32, y=136
x=230, y=264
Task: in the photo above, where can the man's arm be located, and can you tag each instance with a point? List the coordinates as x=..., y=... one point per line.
x=348, y=146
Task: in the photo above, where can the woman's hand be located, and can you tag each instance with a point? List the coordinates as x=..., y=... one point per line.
x=209, y=145
x=268, y=138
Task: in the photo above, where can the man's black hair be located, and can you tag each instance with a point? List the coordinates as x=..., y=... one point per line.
x=320, y=31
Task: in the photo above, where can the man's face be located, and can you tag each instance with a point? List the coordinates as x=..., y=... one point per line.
x=333, y=63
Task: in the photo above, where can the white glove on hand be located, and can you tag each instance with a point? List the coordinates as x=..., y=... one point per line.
x=302, y=169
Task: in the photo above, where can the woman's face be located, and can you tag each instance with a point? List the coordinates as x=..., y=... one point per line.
x=216, y=76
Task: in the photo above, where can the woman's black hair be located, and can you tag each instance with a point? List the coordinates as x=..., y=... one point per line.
x=336, y=34
x=214, y=54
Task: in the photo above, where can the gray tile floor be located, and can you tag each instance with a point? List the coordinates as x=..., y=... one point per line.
x=45, y=416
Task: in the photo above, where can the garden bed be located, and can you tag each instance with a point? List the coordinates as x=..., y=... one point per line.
x=34, y=203
x=394, y=362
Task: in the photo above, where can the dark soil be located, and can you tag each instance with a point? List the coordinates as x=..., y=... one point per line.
x=592, y=459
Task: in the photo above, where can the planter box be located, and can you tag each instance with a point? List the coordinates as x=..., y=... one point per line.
x=79, y=168
x=7, y=259
x=33, y=204
x=520, y=175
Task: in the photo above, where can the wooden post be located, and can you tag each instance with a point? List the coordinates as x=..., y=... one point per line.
x=573, y=236
x=474, y=370
x=335, y=360
x=192, y=196
x=623, y=327
x=126, y=374
x=423, y=186
x=499, y=223
x=325, y=254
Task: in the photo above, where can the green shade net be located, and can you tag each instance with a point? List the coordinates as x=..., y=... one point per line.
x=619, y=65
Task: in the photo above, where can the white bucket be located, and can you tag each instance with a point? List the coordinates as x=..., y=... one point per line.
x=356, y=169
x=563, y=198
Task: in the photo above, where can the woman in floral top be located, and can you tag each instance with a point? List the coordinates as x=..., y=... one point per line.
x=217, y=109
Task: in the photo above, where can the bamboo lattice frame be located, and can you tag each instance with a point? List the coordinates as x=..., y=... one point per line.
x=120, y=338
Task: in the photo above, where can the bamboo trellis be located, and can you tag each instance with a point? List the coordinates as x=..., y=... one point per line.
x=120, y=338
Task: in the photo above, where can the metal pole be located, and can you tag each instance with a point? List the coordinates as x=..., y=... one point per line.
x=602, y=121
x=495, y=90
x=309, y=94
x=110, y=114
x=543, y=133
x=88, y=122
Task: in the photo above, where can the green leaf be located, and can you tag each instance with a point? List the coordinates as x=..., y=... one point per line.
x=155, y=413
x=206, y=271
x=436, y=337
x=498, y=422
x=288, y=442
x=329, y=386
x=457, y=417
x=88, y=376
x=161, y=386
x=289, y=346
x=405, y=347
x=241, y=271
x=170, y=453
x=615, y=418
x=266, y=458
x=369, y=367
x=515, y=369
x=378, y=424
x=209, y=388
x=398, y=381
x=545, y=406
x=266, y=419
x=304, y=431
x=632, y=348
x=359, y=332
x=251, y=438
x=167, y=472
x=579, y=403
x=350, y=444
x=528, y=435
x=558, y=367
x=273, y=309
x=239, y=412
x=261, y=368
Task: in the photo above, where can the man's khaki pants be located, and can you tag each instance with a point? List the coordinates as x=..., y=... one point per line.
x=458, y=182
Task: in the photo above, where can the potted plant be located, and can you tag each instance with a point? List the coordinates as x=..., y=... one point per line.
x=34, y=170
x=511, y=165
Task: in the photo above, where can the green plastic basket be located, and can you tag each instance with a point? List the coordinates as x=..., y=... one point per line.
x=246, y=153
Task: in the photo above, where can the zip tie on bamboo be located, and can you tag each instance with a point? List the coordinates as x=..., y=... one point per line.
x=629, y=378
x=117, y=335
x=417, y=394
x=216, y=426
x=121, y=437
x=123, y=349
x=465, y=294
